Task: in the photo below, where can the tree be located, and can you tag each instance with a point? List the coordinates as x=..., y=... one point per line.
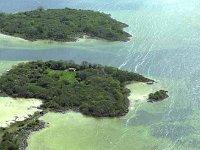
x=40, y=8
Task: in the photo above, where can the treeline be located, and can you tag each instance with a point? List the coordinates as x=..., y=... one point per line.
x=62, y=25
x=158, y=96
x=92, y=89
x=15, y=137
x=8, y=141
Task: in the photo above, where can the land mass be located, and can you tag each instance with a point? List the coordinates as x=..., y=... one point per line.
x=62, y=25
x=15, y=137
x=158, y=96
x=94, y=90
x=91, y=89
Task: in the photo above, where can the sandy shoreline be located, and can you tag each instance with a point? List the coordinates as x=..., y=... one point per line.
x=12, y=42
x=13, y=110
x=15, y=38
x=139, y=93
x=4, y=36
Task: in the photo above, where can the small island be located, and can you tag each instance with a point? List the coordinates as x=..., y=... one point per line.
x=158, y=96
x=62, y=25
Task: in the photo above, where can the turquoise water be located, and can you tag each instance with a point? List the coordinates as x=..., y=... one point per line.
x=165, y=46
x=77, y=132
x=16, y=109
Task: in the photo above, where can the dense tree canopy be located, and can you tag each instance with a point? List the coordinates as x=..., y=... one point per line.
x=92, y=89
x=62, y=25
x=158, y=96
x=15, y=136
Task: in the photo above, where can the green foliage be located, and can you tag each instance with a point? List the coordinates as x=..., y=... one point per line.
x=14, y=137
x=92, y=89
x=62, y=25
x=124, y=76
x=62, y=75
x=8, y=145
x=157, y=96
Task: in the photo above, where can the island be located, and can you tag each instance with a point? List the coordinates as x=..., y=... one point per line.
x=62, y=25
x=92, y=89
x=158, y=96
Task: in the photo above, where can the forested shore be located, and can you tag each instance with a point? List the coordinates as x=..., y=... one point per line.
x=62, y=25
x=92, y=89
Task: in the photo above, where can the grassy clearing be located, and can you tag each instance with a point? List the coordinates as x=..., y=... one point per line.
x=63, y=75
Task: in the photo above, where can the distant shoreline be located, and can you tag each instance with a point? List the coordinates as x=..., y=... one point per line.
x=63, y=25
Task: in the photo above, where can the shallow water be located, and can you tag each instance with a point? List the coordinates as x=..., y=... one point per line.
x=165, y=46
x=106, y=133
x=16, y=109
x=12, y=110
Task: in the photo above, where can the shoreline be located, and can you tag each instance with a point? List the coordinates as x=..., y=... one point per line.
x=20, y=131
x=30, y=106
x=12, y=37
x=26, y=131
x=139, y=92
x=92, y=21
x=4, y=36
x=132, y=92
x=12, y=42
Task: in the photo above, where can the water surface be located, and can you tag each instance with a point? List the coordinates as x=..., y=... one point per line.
x=165, y=46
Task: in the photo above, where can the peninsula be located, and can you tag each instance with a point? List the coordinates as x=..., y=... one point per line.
x=62, y=25
x=94, y=90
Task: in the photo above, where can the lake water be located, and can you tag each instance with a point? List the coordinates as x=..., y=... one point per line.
x=165, y=46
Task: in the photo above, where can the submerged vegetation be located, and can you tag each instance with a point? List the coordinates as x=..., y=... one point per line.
x=62, y=25
x=158, y=96
x=92, y=89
